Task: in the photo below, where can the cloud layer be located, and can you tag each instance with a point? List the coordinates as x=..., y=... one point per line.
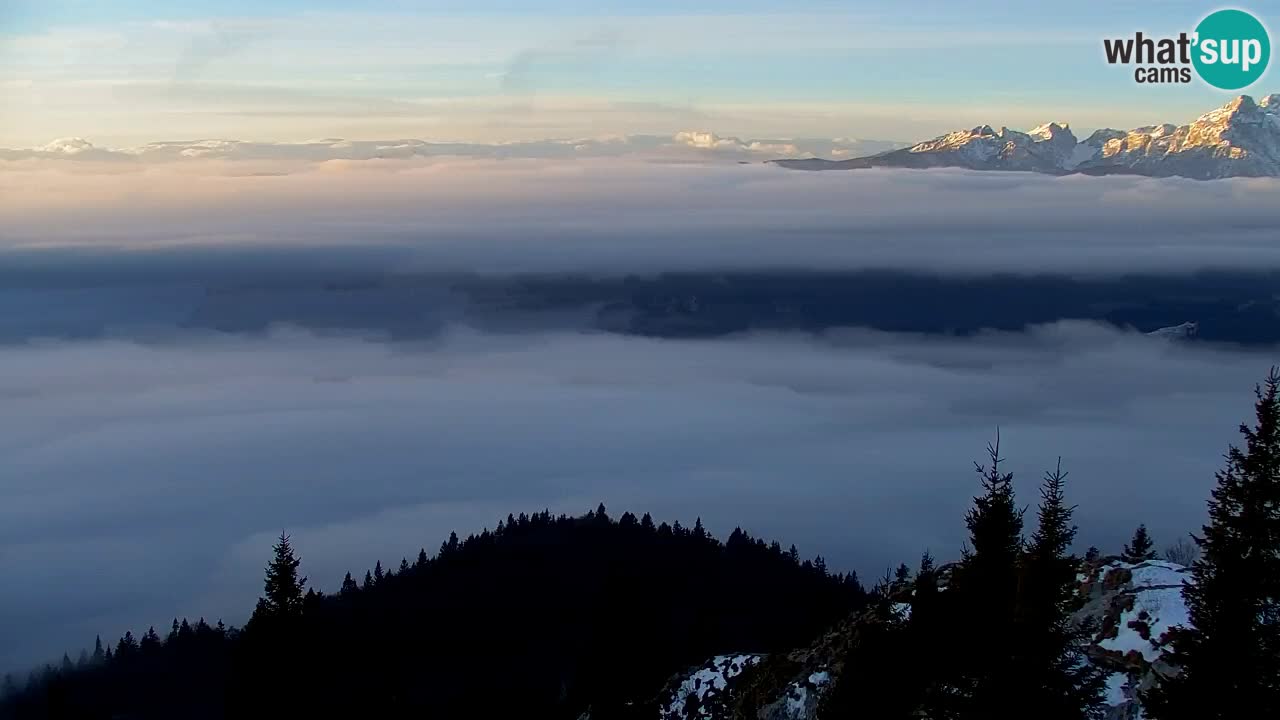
x=623, y=215
x=686, y=145
x=144, y=480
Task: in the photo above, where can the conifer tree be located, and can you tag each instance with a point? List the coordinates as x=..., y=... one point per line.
x=348, y=585
x=987, y=583
x=127, y=646
x=1054, y=675
x=1230, y=653
x=378, y=575
x=150, y=641
x=1140, y=548
x=98, y=654
x=282, y=590
x=902, y=574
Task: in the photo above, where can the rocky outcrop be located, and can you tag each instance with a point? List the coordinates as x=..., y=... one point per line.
x=1128, y=610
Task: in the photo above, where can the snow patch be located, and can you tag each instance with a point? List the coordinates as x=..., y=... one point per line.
x=712, y=677
x=1115, y=689
x=1158, y=607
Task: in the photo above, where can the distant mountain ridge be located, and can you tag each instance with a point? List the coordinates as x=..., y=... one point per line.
x=1239, y=139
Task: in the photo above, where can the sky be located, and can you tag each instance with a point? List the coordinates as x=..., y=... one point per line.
x=131, y=72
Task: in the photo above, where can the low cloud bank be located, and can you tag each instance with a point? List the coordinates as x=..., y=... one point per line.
x=143, y=480
x=623, y=216
x=687, y=145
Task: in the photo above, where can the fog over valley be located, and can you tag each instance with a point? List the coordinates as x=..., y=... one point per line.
x=372, y=353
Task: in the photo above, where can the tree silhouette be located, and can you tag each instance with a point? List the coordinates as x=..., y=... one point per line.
x=1232, y=647
x=988, y=585
x=1054, y=674
x=282, y=590
x=1140, y=548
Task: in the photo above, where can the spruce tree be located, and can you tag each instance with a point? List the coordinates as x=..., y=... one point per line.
x=902, y=574
x=1054, y=675
x=127, y=646
x=1230, y=654
x=348, y=585
x=987, y=583
x=282, y=590
x=1140, y=548
x=150, y=641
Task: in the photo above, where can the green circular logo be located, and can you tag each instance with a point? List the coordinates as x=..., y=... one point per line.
x=1232, y=49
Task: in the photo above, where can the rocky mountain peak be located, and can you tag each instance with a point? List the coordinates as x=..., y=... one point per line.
x=1238, y=139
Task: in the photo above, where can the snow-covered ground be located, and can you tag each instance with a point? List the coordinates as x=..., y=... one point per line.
x=714, y=676
x=799, y=704
x=1157, y=607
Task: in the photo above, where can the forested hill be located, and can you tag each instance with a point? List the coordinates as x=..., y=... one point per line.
x=542, y=617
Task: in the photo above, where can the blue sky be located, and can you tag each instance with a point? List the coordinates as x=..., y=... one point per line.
x=134, y=71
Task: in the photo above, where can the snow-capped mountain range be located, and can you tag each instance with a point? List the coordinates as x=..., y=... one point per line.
x=1239, y=139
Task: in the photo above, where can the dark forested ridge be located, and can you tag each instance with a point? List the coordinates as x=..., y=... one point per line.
x=543, y=616
x=249, y=293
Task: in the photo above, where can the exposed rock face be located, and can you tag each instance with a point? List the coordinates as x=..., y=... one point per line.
x=1242, y=138
x=776, y=687
x=1128, y=609
x=1131, y=608
x=1239, y=139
